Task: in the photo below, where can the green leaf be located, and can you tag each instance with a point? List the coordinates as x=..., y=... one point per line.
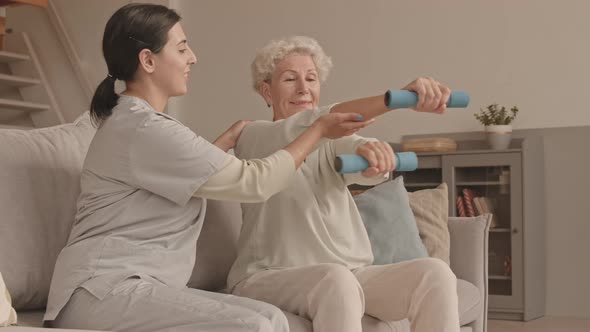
x=494, y=114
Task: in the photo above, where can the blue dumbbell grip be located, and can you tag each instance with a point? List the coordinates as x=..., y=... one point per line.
x=352, y=163
x=405, y=98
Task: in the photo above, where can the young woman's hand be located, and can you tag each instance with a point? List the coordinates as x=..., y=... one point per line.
x=432, y=96
x=380, y=157
x=229, y=138
x=336, y=125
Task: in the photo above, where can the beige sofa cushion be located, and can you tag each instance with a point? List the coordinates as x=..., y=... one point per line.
x=217, y=245
x=40, y=174
x=431, y=210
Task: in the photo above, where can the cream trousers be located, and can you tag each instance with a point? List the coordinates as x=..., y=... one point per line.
x=335, y=299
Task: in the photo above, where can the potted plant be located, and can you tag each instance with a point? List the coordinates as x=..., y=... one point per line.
x=497, y=120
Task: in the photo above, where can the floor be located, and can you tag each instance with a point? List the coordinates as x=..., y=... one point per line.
x=545, y=324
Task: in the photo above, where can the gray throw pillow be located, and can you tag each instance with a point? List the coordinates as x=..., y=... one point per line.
x=390, y=223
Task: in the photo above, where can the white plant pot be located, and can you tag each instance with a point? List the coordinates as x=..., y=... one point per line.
x=499, y=136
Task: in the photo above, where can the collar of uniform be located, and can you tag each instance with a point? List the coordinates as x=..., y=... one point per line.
x=146, y=104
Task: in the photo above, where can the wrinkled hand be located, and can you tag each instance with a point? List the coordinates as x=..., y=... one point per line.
x=432, y=96
x=229, y=138
x=336, y=125
x=380, y=157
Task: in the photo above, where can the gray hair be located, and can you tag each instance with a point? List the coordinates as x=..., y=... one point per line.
x=274, y=52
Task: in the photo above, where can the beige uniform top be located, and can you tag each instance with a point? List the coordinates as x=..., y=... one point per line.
x=137, y=212
x=314, y=220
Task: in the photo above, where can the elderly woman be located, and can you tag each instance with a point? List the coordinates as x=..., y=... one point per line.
x=306, y=250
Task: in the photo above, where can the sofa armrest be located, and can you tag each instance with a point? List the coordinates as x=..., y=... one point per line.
x=469, y=254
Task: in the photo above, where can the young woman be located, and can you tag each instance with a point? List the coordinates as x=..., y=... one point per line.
x=144, y=182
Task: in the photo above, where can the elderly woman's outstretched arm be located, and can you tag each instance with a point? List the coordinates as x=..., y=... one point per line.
x=432, y=98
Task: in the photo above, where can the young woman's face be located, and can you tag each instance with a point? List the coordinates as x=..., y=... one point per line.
x=173, y=63
x=294, y=86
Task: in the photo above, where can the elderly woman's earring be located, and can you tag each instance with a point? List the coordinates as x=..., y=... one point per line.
x=268, y=105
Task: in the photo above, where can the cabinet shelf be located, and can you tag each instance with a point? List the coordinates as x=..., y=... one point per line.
x=499, y=277
x=480, y=183
x=422, y=184
x=499, y=230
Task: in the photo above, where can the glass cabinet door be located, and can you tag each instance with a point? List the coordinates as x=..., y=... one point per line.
x=427, y=176
x=492, y=183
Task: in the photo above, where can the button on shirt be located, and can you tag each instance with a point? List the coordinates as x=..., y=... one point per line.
x=137, y=215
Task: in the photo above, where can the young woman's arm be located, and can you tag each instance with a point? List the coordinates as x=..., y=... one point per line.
x=256, y=180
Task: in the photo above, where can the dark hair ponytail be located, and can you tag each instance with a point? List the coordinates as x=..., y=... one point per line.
x=131, y=29
x=104, y=100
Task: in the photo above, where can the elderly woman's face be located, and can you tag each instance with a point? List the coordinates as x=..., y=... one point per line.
x=294, y=86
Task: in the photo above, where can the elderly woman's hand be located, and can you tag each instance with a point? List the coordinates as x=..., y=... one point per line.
x=229, y=138
x=432, y=96
x=336, y=125
x=380, y=157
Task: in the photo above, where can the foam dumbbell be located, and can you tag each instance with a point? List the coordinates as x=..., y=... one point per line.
x=352, y=163
x=405, y=98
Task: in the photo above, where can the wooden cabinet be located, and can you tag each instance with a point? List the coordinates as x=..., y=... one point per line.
x=511, y=185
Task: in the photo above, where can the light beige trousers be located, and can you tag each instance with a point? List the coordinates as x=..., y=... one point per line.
x=137, y=305
x=335, y=299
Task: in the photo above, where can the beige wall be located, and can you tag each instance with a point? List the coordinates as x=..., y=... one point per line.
x=533, y=54
x=87, y=20
x=567, y=162
x=530, y=53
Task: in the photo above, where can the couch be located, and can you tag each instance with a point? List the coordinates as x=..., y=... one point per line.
x=39, y=177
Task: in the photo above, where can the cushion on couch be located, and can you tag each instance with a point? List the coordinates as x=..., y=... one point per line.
x=217, y=245
x=390, y=224
x=431, y=210
x=40, y=174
